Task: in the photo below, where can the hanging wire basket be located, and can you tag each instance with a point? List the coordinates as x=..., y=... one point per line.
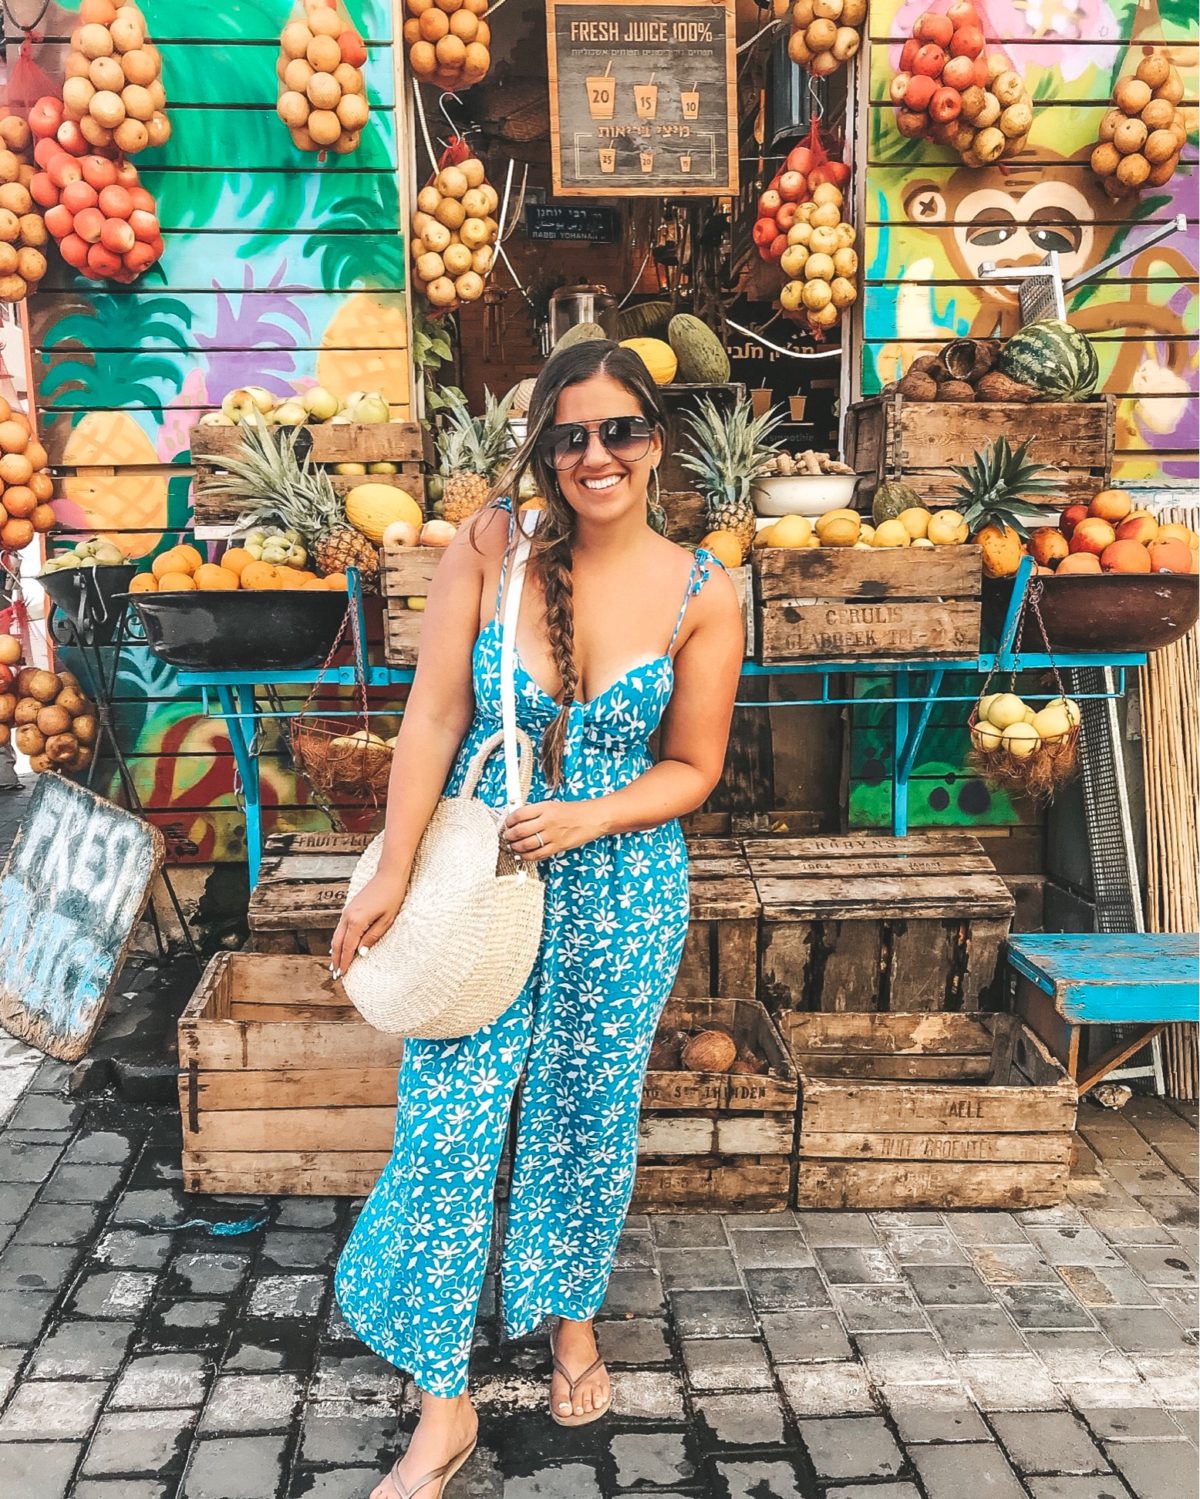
x=340, y=758
x=1053, y=761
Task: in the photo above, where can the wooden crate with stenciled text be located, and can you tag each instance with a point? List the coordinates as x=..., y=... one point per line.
x=878, y=923
x=928, y=1111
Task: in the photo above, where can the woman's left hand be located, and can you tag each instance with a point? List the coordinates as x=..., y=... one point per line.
x=542, y=829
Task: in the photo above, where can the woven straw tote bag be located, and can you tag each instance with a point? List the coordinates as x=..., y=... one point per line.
x=467, y=936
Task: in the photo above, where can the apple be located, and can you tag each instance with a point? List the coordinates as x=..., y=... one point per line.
x=967, y=41
x=799, y=159
x=963, y=13
x=908, y=54
x=1143, y=527
x=920, y=92
x=1070, y=518
x=777, y=247
x=764, y=232
x=1092, y=535
x=959, y=73
x=769, y=204
x=945, y=105
x=899, y=87
x=792, y=187
x=838, y=172
x=932, y=27
x=930, y=60
x=786, y=217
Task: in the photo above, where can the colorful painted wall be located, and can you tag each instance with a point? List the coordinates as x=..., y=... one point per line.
x=279, y=271
x=930, y=224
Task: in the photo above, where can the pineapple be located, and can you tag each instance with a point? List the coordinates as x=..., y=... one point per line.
x=272, y=485
x=729, y=451
x=991, y=504
x=473, y=451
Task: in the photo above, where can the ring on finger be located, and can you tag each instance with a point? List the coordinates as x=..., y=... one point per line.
x=541, y=841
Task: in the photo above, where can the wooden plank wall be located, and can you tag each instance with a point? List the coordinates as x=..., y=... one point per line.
x=278, y=271
x=927, y=231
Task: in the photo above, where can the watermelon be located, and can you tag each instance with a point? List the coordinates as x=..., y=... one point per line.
x=1054, y=358
x=892, y=498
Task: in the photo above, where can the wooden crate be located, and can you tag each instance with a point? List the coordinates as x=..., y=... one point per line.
x=282, y=1087
x=407, y=444
x=301, y=890
x=716, y=1140
x=888, y=437
x=928, y=1111
x=720, y=955
x=405, y=573
x=837, y=603
x=877, y=923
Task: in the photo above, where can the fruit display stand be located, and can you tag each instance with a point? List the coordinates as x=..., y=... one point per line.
x=718, y=1139
x=405, y=444
x=301, y=890
x=939, y=1111
x=894, y=438
x=916, y=688
x=720, y=955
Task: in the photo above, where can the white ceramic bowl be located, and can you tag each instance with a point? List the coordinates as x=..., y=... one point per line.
x=810, y=495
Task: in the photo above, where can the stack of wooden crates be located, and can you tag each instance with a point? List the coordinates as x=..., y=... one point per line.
x=860, y=969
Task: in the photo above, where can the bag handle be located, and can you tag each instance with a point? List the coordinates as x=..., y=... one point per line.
x=481, y=756
x=516, y=778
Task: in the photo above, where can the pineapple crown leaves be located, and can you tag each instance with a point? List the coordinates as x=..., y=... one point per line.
x=992, y=488
x=471, y=444
x=730, y=448
x=274, y=484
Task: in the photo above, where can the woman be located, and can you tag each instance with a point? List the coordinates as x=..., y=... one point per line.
x=618, y=629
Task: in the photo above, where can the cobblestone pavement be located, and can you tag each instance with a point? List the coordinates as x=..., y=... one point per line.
x=971, y=1355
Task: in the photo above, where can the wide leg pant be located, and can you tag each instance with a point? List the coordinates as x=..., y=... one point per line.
x=410, y=1276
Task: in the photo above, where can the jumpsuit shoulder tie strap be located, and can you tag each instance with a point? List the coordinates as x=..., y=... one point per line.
x=697, y=578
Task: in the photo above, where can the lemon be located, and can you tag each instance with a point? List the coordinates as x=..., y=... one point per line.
x=915, y=520
x=790, y=531
x=1020, y=740
x=1006, y=709
x=922, y=541
x=891, y=534
x=831, y=515
x=840, y=531
x=725, y=547
x=866, y=532
x=947, y=528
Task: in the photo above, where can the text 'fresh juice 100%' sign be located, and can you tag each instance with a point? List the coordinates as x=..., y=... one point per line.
x=642, y=97
x=76, y=880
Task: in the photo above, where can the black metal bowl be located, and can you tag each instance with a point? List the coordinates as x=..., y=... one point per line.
x=271, y=630
x=1122, y=612
x=92, y=599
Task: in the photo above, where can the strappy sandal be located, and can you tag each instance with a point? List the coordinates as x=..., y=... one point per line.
x=446, y=1472
x=587, y=1417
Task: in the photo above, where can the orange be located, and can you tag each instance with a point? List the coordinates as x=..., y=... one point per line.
x=235, y=559
x=144, y=583
x=19, y=502
x=15, y=468
x=434, y=25
x=1078, y=562
x=176, y=583
x=176, y=560
x=210, y=578
x=337, y=582
x=313, y=583
x=42, y=486
x=259, y=575
x=451, y=53
x=422, y=59
x=478, y=59
x=14, y=436
x=464, y=25
x=412, y=31
x=44, y=518
x=1169, y=556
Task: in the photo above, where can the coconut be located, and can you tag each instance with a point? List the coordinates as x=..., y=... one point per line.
x=710, y=1051
x=955, y=390
x=918, y=386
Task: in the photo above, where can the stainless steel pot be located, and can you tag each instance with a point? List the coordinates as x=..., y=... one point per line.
x=570, y=305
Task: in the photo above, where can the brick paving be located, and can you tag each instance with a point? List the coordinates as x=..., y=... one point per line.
x=916, y=1355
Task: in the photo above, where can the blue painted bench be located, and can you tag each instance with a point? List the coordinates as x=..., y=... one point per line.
x=1060, y=982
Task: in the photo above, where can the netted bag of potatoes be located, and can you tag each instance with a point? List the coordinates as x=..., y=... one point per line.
x=454, y=230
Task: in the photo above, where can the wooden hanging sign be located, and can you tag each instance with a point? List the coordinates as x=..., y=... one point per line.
x=76, y=880
x=642, y=98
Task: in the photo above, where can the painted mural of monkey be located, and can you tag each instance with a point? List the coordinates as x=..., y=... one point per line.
x=1015, y=215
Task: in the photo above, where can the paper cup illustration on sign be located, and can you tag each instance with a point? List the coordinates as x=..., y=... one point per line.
x=645, y=99
x=689, y=103
x=685, y=162
x=608, y=159
x=647, y=160
x=602, y=95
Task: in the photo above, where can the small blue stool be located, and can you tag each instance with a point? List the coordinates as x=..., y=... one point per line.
x=1058, y=982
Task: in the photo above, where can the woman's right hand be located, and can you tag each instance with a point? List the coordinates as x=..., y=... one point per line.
x=366, y=918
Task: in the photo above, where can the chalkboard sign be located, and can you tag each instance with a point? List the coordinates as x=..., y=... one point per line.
x=642, y=97
x=595, y=225
x=76, y=880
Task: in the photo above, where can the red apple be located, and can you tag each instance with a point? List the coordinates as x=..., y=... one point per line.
x=930, y=60
x=1070, y=518
x=59, y=220
x=963, y=13
x=908, y=54
x=982, y=78
x=1143, y=528
x=838, y=172
x=71, y=138
x=921, y=90
x=799, y=159
x=118, y=236
x=945, y=105
x=102, y=262
x=46, y=116
x=967, y=41
x=74, y=251
x=45, y=151
x=777, y=247
x=42, y=190
x=89, y=223
x=1092, y=535
x=141, y=258
x=764, y=232
x=932, y=27
x=768, y=204
x=792, y=186
x=144, y=225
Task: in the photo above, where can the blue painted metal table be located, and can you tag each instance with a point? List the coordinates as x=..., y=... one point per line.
x=917, y=687
x=1063, y=981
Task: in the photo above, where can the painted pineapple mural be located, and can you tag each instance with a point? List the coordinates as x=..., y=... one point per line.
x=278, y=272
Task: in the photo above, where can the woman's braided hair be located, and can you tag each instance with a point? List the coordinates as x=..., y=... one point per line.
x=553, y=540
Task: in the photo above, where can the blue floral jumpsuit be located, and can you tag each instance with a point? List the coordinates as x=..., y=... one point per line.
x=616, y=915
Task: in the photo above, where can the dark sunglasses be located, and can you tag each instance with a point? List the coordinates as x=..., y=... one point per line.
x=626, y=438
